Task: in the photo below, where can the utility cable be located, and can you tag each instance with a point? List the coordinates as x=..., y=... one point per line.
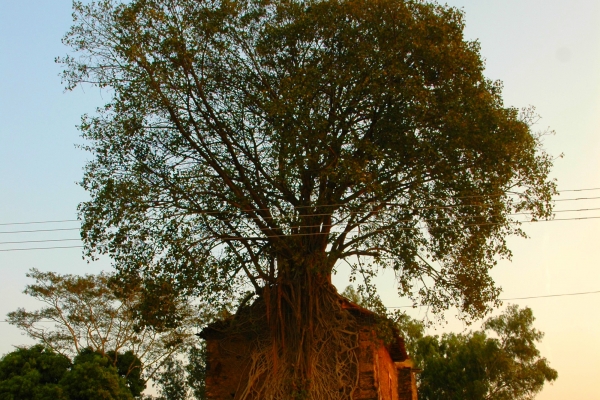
x=382, y=211
x=327, y=205
x=338, y=205
x=40, y=222
x=41, y=230
x=515, y=298
x=578, y=190
x=44, y=248
x=521, y=298
x=551, y=295
x=40, y=241
x=265, y=237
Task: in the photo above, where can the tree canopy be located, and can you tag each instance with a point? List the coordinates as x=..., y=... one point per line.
x=38, y=373
x=184, y=379
x=249, y=139
x=260, y=143
x=500, y=362
x=32, y=373
x=93, y=377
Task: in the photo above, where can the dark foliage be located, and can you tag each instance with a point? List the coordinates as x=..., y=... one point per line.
x=266, y=140
x=259, y=143
x=37, y=373
x=33, y=373
x=500, y=362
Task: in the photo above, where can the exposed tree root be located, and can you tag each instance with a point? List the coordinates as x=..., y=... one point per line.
x=307, y=354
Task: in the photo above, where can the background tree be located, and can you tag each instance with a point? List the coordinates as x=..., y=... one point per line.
x=91, y=313
x=93, y=377
x=171, y=382
x=38, y=373
x=500, y=362
x=130, y=368
x=260, y=143
x=184, y=378
x=33, y=373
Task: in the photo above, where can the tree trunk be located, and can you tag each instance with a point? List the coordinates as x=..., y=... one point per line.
x=311, y=348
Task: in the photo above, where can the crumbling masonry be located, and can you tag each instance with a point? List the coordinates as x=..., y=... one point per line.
x=385, y=372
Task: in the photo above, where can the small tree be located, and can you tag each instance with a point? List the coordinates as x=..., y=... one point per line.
x=38, y=373
x=501, y=362
x=182, y=379
x=90, y=312
x=93, y=377
x=33, y=373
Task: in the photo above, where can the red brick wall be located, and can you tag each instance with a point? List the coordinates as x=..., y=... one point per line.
x=380, y=378
x=227, y=367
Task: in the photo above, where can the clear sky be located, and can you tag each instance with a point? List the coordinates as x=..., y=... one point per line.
x=547, y=53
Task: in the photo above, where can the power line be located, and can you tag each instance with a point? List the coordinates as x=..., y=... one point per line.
x=331, y=205
x=578, y=190
x=231, y=238
x=299, y=234
x=524, y=298
x=552, y=295
x=44, y=248
x=41, y=230
x=40, y=241
x=382, y=211
x=45, y=320
x=327, y=205
x=575, y=210
x=578, y=198
x=308, y=215
x=39, y=222
x=562, y=219
x=514, y=298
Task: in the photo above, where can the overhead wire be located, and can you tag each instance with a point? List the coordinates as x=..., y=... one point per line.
x=345, y=204
x=41, y=230
x=42, y=248
x=515, y=298
x=552, y=295
x=39, y=222
x=383, y=210
x=264, y=237
x=508, y=299
x=578, y=198
x=40, y=241
x=578, y=190
x=520, y=298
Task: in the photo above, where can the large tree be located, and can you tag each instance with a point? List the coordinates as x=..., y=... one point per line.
x=263, y=142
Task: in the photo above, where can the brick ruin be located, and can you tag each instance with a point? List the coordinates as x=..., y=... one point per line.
x=386, y=372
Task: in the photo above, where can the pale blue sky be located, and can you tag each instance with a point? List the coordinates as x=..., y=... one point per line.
x=546, y=52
